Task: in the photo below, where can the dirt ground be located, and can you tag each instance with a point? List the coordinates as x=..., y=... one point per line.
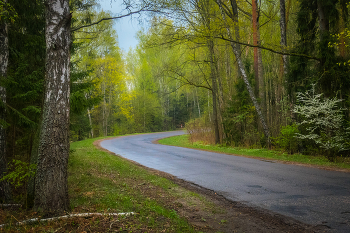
x=223, y=215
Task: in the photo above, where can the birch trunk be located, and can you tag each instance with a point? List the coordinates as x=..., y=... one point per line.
x=51, y=188
x=236, y=29
x=243, y=72
x=90, y=122
x=5, y=192
x=199, y=109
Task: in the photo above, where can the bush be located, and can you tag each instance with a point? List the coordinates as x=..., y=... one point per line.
x=20, y=173
x=321, y=121
x=200, y=129
x=287, y=139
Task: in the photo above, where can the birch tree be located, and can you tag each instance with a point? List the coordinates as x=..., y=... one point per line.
x=51, y=188
x=4, y=56
x=241, y=67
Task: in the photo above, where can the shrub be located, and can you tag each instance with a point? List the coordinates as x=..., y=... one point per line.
x=321, y=120
x=200, y=129
x=287, y=139
x=20, y=173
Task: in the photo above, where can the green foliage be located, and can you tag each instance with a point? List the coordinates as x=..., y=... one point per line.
x=25, y=78
x=239, y=118
x=287, y=139
x=7, y=12
x=20, y=173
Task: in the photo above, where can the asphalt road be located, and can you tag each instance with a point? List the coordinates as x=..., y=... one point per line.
x=310, y=195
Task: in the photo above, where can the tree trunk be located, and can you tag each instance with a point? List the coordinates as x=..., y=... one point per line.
x=90, y=122
x=33, y=160
x=258, y=64
x=5, y=192
x=209, y=106
x=323, y=20
x=283, y=27
x=51, y=185
x=255, y=43
x=214, y=91
x=236, y=29
x=199, y=109
x=244, y=74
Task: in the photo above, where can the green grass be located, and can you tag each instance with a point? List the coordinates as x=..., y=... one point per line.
x=108, y=183
x=102, y=182
x=182, y=141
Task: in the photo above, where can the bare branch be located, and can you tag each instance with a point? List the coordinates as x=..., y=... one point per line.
x=269, y=49
x=144, y=9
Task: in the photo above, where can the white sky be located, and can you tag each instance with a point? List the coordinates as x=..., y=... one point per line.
x=126, y=27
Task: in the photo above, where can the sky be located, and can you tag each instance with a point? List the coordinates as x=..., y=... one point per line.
x=126, y=27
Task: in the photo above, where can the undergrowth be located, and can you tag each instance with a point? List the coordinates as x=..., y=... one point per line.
x=101, y=182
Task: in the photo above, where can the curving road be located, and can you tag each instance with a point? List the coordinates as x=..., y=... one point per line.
x=310, y=195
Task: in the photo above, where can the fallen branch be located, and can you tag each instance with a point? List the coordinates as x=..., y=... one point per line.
x=68, y=216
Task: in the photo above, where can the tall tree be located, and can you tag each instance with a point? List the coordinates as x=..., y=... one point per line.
x=283, y=27
x=51, y=185
x=5, y=193
x=237, y=54
x=255, y=22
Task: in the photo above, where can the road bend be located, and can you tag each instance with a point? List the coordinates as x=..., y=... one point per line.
x=310, y=195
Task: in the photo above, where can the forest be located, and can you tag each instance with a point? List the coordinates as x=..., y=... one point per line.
x=242, y=73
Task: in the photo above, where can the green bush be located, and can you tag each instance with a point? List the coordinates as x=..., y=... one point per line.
x=20, y=173
x=287, y=140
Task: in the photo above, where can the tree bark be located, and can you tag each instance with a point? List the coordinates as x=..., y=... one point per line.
x=283, y=27
x=323, y=20
x=5, y=191
x=255, y=43
x=51, y=186
x=90, y=122
x=236, y=29
x=244, y=74
x=214, y=91
x=258, y=64
x=33, y=160
x=199, y=109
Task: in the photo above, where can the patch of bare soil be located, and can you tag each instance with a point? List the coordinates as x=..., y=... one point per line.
x=210, y=212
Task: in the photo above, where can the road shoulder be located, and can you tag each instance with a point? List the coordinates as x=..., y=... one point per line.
x=218, y=214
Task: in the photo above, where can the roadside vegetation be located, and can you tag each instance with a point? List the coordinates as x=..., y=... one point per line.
x=103, y=183
x=261, y=153
x=254, y=74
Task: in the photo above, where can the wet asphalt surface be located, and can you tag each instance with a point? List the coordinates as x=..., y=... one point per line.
x=310, y=195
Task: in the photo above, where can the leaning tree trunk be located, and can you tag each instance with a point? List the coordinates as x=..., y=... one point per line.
x=5, y=193
x=51, y=188
x=237, y=54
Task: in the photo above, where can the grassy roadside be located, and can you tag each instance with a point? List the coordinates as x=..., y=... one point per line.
x=101, y=182
x=182, y=141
